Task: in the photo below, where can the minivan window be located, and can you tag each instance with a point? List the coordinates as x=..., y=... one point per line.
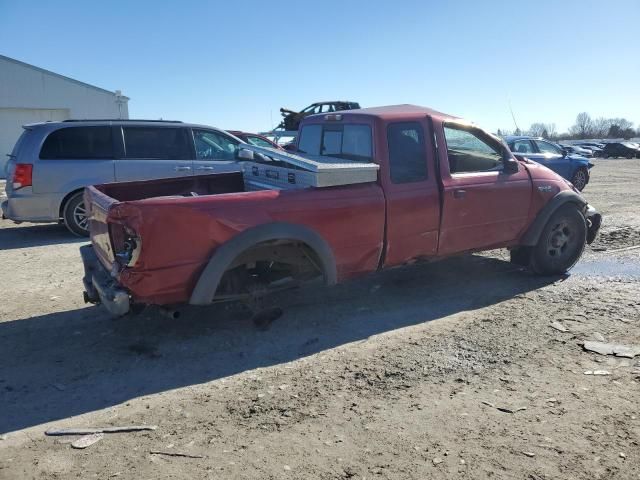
x=407, y=154
x=156, y=143
x=78, y=143
x=348, y=141
x=214, y=146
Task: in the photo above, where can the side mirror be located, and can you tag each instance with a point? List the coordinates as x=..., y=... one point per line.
x=244, y=154
x=510, y=163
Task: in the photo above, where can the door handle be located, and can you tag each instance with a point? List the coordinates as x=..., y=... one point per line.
x=181, y=169
x=204, y=168
x=459, y=193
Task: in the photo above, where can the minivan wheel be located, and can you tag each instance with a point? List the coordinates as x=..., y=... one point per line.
x=580, y=178
x=561, y=243
x=75, y=216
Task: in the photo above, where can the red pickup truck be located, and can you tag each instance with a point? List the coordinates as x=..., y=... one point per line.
x=444, y=187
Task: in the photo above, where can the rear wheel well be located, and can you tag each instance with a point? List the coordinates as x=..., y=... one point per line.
x=64, y=201
x=269, y=266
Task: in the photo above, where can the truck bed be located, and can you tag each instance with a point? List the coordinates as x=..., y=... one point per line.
x=178, y=223
x=191, y=186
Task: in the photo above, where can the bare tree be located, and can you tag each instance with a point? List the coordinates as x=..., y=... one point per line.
x=623, y=123
x=537, y=129
x=552, y=133
x=583, y=127
x=601, y=127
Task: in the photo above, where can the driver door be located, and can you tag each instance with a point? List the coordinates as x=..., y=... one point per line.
x=483, y=205
x=215, y=152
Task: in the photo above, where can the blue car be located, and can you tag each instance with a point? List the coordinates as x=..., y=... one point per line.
x=572, y=167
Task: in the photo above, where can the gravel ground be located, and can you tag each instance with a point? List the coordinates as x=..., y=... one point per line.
x=448, y=370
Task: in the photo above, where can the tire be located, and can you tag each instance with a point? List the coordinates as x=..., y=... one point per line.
x=561, y=243
x=73, y=215
x=580, y=178
x=629, y=156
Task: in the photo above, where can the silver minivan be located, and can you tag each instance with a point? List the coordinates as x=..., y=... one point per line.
x=52, y=162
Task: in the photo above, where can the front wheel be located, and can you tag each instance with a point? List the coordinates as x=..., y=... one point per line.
x=561, y=243
x=580, y=178
x=75, y=216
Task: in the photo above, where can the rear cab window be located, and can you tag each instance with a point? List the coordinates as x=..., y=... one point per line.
x=78, y=143
x=351, y=141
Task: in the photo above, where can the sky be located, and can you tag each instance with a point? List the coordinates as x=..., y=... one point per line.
x=233, y=64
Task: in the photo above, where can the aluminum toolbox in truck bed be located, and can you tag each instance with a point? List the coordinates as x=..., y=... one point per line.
x=272, y=168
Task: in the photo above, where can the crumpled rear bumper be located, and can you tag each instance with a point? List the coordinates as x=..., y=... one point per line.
x=594, y=220
x=100, y=287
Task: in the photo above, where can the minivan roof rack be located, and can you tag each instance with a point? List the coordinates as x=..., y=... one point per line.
x=119, y=120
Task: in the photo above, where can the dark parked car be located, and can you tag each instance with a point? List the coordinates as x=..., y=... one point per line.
x=620, y=149
x=572, y=167
x=254, y=139
x=292, y=119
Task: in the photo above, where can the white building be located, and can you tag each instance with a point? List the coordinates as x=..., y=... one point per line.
x=30, y=94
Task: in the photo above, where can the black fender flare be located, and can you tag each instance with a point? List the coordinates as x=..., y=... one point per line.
x=224, y=255
x=531, y=236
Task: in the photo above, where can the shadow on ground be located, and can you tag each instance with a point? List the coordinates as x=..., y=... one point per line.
x=67, y=363
x=34, y=235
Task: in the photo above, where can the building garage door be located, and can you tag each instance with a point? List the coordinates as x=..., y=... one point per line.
x=11, y=121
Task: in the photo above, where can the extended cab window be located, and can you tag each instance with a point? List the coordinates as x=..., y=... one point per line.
x=349, y=141
x=156, y=143
x=469, y=152
x=78, y=143
x=407, y=154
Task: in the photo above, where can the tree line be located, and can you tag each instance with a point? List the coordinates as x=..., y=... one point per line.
x=584, y=127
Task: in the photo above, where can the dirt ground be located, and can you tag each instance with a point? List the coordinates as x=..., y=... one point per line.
x=447, y=370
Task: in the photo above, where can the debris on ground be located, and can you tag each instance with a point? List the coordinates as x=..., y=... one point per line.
x=89, y=431
x=612, y=349
x=175, y=454
x=529, y=454
x=597, y=372
x=558, y=326
x=87, y=440
x=504, y=409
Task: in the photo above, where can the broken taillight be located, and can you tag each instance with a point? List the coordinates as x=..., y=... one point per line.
x=126, y=245
x=22, y=175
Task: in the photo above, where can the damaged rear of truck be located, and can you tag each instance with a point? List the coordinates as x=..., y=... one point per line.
x=204, y=239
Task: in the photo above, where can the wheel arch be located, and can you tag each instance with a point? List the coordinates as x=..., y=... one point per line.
x=66, y=199
x=531, y=236
x=224, y=256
